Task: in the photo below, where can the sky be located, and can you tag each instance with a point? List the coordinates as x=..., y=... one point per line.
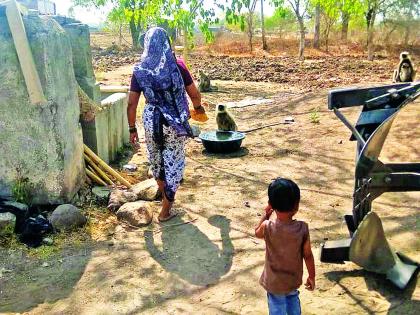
x=95, y=16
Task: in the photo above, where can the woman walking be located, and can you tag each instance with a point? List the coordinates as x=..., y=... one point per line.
x=164, y=81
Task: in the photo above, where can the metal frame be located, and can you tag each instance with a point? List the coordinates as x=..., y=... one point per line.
x=381, y=105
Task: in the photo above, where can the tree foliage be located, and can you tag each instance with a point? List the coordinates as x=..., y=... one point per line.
x=282, y=19
x=141, y=14
x=242, y=12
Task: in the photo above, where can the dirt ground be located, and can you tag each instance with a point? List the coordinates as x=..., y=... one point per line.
x=212, y=263
x=315, y=73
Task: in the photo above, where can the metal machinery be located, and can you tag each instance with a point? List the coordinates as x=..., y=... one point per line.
x=367, y=245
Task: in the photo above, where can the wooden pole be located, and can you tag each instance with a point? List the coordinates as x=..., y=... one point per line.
x=23, y=50
x=100, y=172
x=95, y=178
x=106, y=167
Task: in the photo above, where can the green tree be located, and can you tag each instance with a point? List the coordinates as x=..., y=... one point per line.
x=330, y=14
x=264, y=41
x=242, y=12
x=372, y=9
x=137, y=13
x=140, y=14
x=317, y=28
x=187, y=15
x=282, y=20
x=348, y=9
x=300, y=8
x=116, y=23
x=404, y=19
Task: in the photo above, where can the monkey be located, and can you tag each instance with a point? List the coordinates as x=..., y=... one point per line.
x=225, y=121
x=405, y=71
x=205, y=84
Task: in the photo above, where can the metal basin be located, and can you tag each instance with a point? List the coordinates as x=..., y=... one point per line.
x=222, y=141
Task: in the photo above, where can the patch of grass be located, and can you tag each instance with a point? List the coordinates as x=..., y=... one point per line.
x=21, y=189
x=314, y=116
x=43, y=252
x=8, y=238
x=100, y=75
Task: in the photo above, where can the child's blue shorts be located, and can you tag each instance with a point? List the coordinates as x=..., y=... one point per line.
x=284, y=304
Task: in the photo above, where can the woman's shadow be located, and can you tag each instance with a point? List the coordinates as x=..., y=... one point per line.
x=190, y=254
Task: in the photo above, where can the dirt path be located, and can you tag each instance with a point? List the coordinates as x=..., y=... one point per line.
x=212, y=265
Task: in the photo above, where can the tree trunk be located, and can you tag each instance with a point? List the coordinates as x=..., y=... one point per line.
x=186, y=44
x=120, y=34
x=250, y=30
x=370, y=25
x=406, y=34
x=317, y=26
x=345, y=25
x=370, y=22
x=264, y=42
x=302, y=38
x=135, y=33
x=251, y=48
x=327, y=37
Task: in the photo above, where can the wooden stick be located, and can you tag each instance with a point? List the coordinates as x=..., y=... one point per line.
x=106, y=167
x=23, y=50
x=100, y=172
x=95, y=178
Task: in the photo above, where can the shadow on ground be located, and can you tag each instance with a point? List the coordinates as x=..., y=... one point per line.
x=400, y=301
x=191, y=254
x=31, y=282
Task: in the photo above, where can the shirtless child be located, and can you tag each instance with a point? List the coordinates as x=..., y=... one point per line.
x=287, y=245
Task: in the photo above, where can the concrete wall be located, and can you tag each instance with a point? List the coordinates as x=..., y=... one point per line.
x=44, y=142
x=43, y=6
x=82, y=58
x=109, y=131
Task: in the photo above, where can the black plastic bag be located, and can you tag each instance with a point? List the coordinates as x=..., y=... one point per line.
x=34, y=230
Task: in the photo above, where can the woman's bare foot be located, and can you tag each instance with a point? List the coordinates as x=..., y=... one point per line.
x=165, y=213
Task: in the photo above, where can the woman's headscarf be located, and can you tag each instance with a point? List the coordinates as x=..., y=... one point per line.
x=162, y=84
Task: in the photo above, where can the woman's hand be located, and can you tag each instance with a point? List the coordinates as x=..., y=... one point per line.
x=134, y=139
x=199, y=110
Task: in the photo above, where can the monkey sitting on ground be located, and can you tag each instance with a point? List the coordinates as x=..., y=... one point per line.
x=205, y=85
x=405, y=71
x=224, y=119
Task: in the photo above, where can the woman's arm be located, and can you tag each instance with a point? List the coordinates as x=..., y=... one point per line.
x=195, y=97
x=133, y=101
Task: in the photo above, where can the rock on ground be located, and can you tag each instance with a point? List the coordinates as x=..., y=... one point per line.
x=7, y=222
x=119, y=197
x=101, y=194
x=137, y=213
x=146, y=190
x=67, y=217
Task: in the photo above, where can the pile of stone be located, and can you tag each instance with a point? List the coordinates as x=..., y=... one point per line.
x=135, y=205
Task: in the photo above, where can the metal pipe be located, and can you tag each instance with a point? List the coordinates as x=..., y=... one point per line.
x=350, y=126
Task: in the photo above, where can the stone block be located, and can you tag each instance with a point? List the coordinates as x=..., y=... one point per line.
x=109, y=131
x=40, y=142
x=82, y=58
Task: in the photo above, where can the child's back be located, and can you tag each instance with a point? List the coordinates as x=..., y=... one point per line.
x=283, y=268
x=287, y=246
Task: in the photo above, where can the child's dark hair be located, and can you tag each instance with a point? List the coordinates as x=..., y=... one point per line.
x=283, y=194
